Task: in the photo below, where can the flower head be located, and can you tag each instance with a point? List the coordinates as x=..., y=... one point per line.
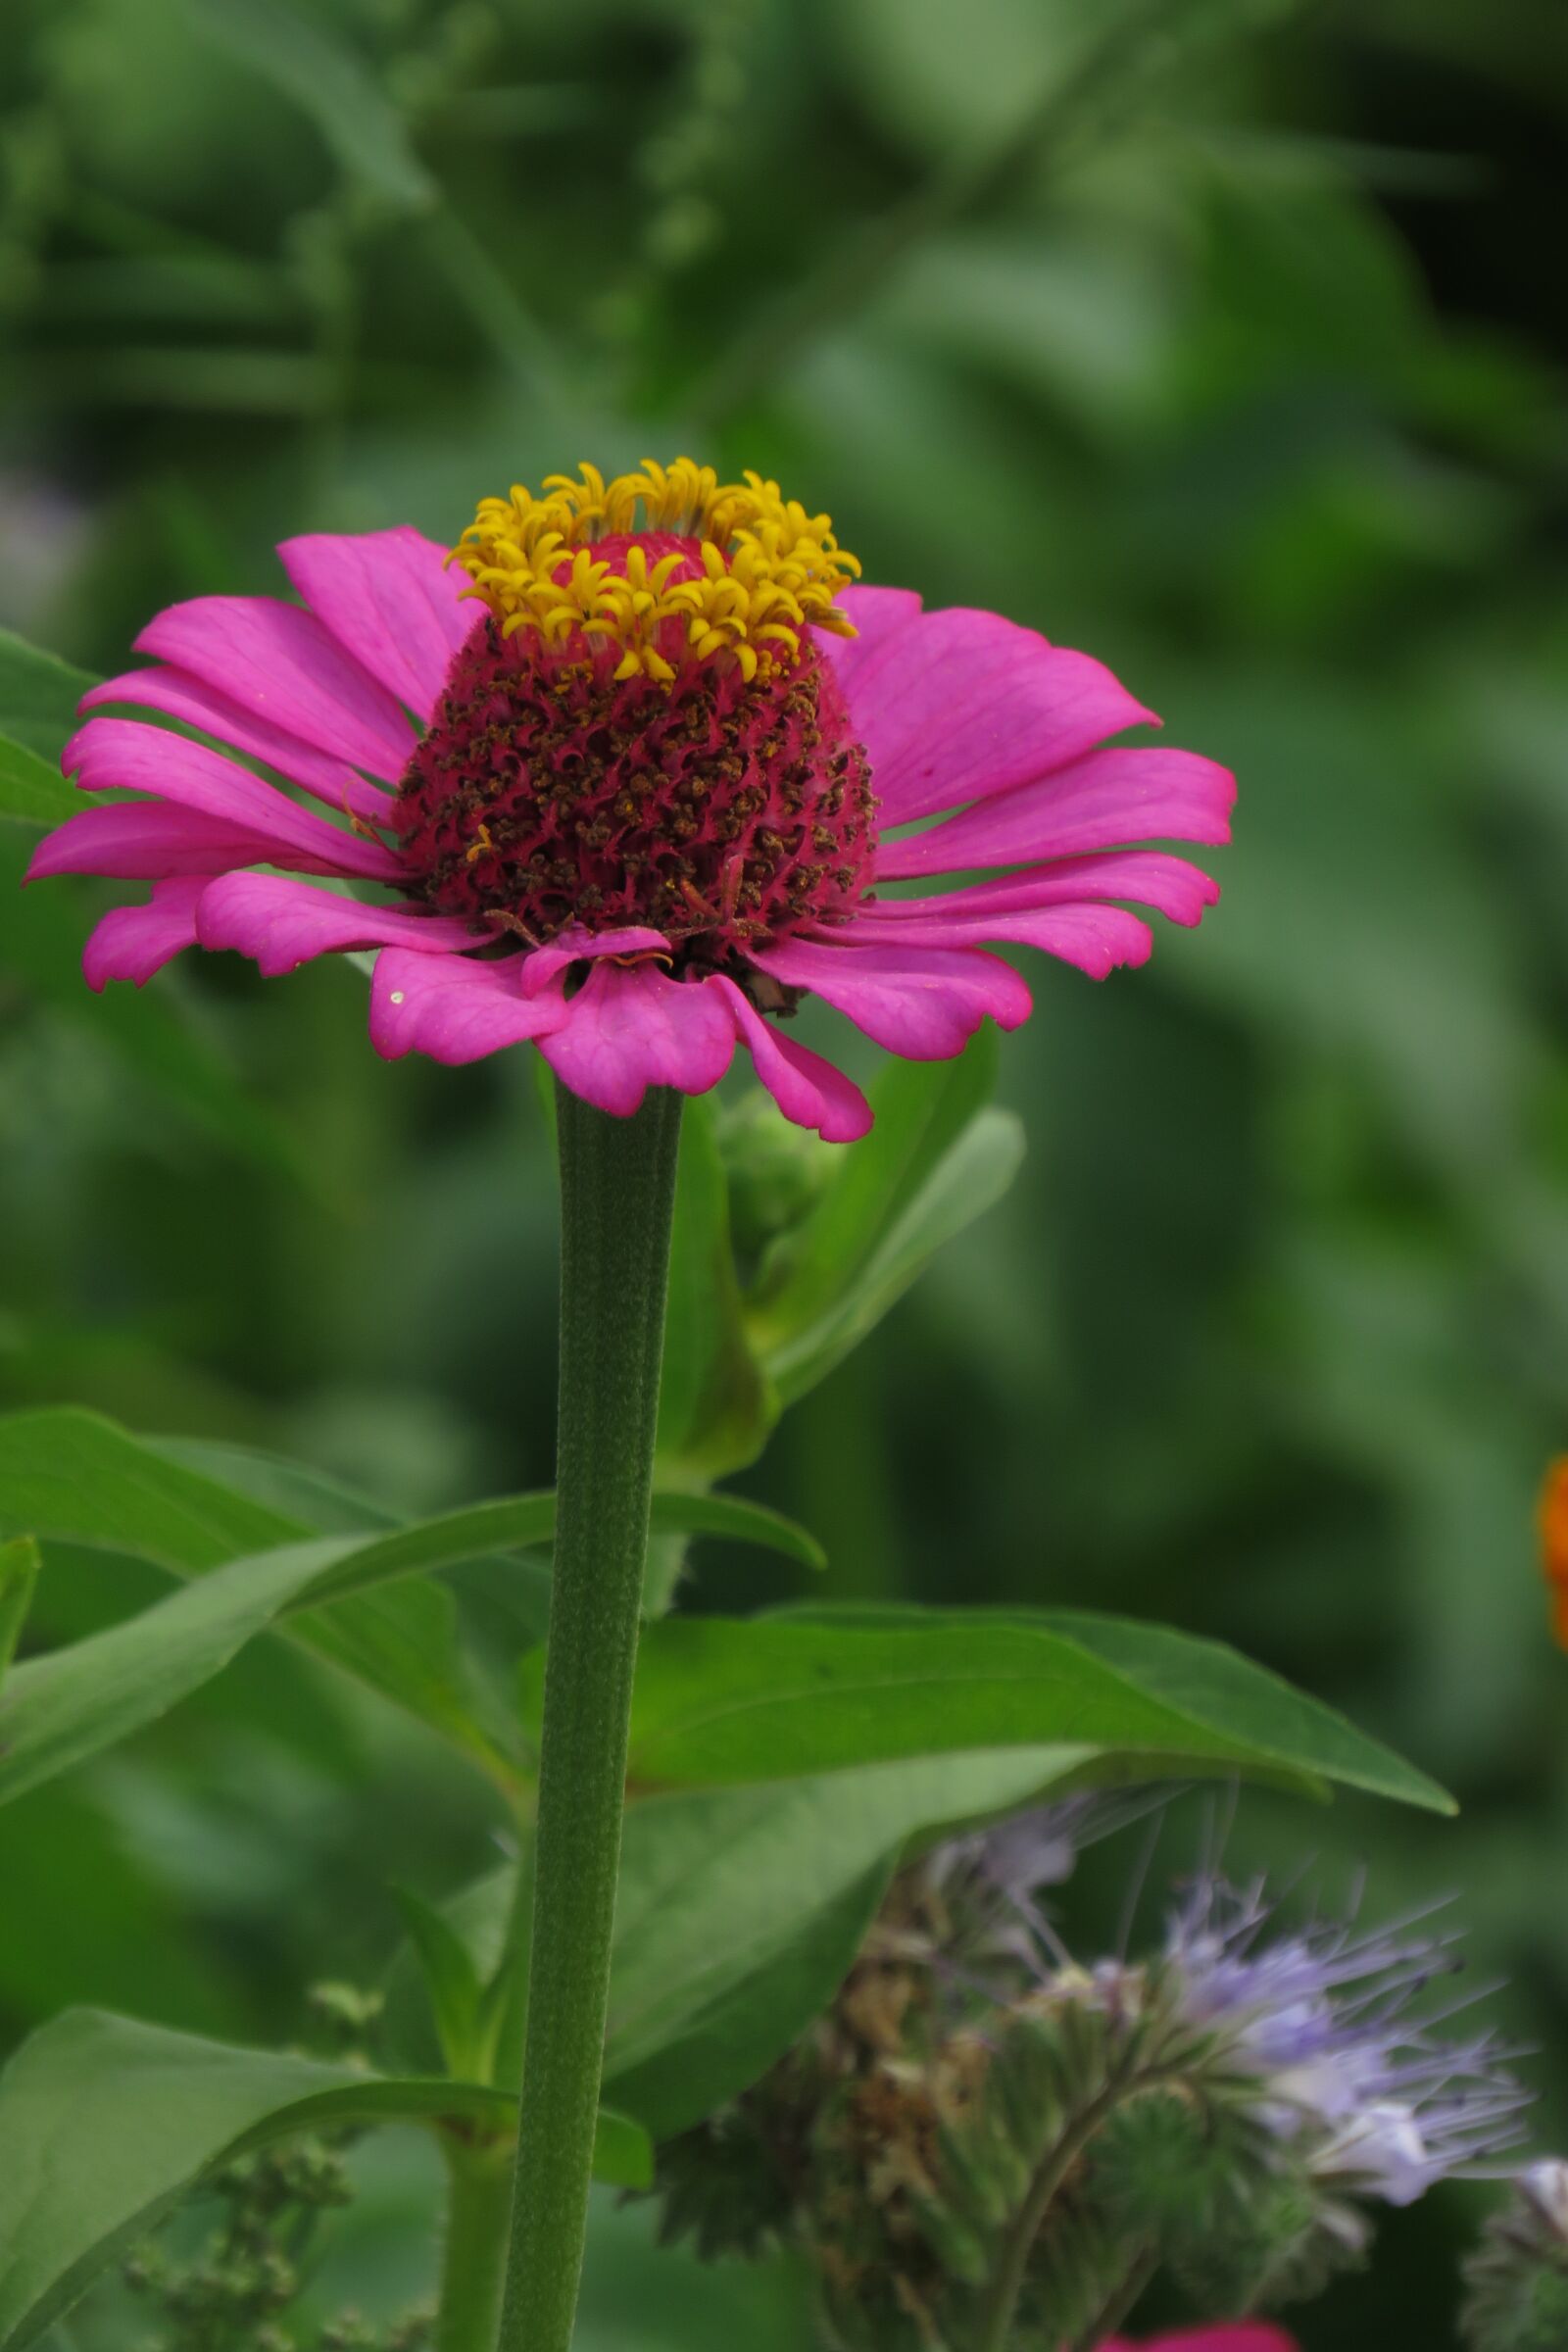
x=630, y=772
x=1517, y=2276
x=1326, y=2024
x=1552, y=1519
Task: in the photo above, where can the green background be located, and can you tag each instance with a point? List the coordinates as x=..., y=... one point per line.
x=1226, y=341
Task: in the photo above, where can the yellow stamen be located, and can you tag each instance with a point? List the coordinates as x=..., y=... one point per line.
x=770, y=569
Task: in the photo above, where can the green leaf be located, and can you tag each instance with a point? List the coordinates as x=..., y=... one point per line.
x=58, y=1711
x=740, y=1911
x=107, y=2123
x=295, y=1491
x=715, y=1404
x=741, y=1521
x=79, y=1478
x=39, y=697
x=19, y=1574
x=936, y=1159
x=720, y=1699
x=330, y=84
x=33, y=792
x=451, y=1981
x=73, y=1476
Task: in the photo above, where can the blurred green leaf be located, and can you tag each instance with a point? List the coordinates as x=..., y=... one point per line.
x=153, y=1032
x=107, y=2123
x=294, y=1491
x=73, y=1476
x=76, y=1476
x=936, y=1159
x=715, y=1404
x=451, y=1981
x=327, y=81
x=39, y=697
x=74, y=1702
x=724, y=1699
x=79, y=1478
x=19, y=1575
x=33, y=791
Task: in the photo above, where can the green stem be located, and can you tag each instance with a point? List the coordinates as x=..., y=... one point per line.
x=1119, y=2304
x=473, y=2257
x=618, y=1187
x=1000, y=2301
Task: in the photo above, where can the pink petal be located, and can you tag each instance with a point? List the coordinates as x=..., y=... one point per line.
x=1094, y=938
x=574, y=943
x=279, y=662
x=630, y=1027
x=959, y=705
x=1245, y=2335
x=807, y=1089
x=281, y=924
x=140, y=841
x=131, y=942
x=1099, y=802
x=924, y=1003
x=389, y=599
x=877, y=612
x=451, y=1008
x=123, y=753
x=181, y=696
x=1157, y=878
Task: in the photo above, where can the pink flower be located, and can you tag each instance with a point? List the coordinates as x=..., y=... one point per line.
x=1251, y=2335
x=632, y=770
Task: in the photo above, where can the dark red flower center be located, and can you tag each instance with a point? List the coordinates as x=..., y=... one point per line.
x=724, y=813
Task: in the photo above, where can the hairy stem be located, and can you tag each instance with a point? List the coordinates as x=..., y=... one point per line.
x=618, y=1187
x=1000, y=2304
x=1119, y=2305
x=474, y=2252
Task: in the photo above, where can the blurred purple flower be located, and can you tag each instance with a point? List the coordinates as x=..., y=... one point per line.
x=1329, y=2021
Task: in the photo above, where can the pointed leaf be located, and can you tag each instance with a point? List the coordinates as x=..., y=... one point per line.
x=39, y=697
x=715, y=1405
x=33, y=791
x=720, y=1699
x=74, y=1476
x=937, y=1158
x=451, y=1979
x=82, y=1479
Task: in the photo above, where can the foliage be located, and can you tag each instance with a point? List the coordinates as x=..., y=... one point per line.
x=1222, y=355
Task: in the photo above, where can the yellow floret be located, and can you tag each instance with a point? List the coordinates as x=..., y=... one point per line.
x=770, y=569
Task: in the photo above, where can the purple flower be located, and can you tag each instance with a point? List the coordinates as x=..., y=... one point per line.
x=1329, y=2021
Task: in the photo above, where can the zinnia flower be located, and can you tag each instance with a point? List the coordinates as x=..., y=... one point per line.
x=633, y=766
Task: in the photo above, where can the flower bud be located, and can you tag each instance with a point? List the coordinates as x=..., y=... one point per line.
x=1518, y=2275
